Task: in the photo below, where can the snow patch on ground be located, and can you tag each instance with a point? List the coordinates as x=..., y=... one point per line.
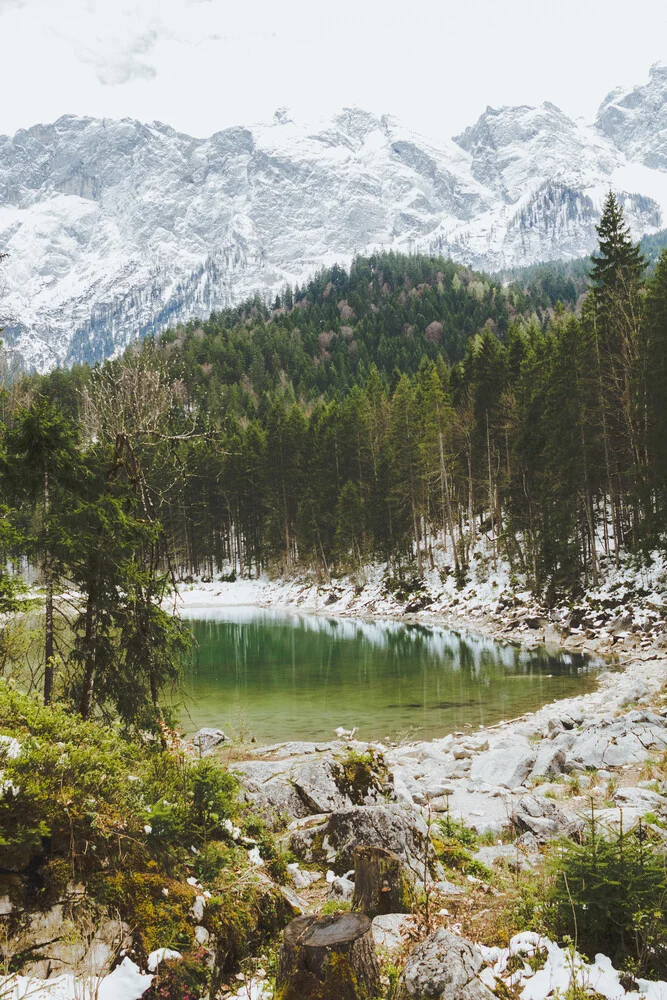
x=562, y=969
x=126, y=982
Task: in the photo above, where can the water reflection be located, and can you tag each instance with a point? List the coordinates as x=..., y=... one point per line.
x=290, y=676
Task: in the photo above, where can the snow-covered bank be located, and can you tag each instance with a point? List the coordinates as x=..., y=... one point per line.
x=563, y=969
x=625, y=613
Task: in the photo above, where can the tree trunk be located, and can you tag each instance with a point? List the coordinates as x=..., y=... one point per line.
x=444, y=492
x=48, y=613
x=328, y=958
x=491, y=495
x=380, y=885
x=89, y=662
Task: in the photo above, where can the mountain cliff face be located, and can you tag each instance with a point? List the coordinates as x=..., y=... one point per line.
x=116, y=229
x=636, y=120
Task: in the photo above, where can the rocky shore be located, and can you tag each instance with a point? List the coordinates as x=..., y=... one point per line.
x=535, y=773
x=524, y=771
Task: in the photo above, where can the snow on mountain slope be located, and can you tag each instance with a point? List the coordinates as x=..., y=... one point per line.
x=636, y=120
x=116, y=229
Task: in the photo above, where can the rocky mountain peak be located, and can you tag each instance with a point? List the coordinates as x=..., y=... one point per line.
x=635, y=120
x=116, y=229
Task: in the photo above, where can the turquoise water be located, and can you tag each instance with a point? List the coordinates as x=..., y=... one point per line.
x=283, y=676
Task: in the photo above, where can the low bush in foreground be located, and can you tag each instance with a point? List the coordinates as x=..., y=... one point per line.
x=144, y=830
x=609, y=894
x=85, y=792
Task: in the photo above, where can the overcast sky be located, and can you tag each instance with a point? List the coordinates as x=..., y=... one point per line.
x=202, y=65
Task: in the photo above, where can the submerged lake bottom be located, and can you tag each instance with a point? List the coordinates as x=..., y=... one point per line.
x=280, y=675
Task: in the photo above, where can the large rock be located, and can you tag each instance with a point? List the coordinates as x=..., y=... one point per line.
x=68, y=936
x=443, y=967
x=310, y=784
x=507, y=764
x=549, y=760
x=318, y=783
x=332, y=839
x=270, y=790
x=617, y=742
x=642, y=799
x=206, y=740
x=511, y=855
x=392, y=930
x=544, y=819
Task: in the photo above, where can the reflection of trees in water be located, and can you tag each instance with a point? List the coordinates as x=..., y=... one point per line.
x=298, y=676
x=347, y=648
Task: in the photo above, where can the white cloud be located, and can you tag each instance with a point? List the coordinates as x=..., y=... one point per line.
x=202, y=65
x=118, y=64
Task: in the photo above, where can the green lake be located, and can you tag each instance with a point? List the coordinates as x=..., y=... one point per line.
x=279, y=675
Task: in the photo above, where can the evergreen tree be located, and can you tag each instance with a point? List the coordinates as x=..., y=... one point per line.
x=42, y=466
x=656, y=391
x=616, y=278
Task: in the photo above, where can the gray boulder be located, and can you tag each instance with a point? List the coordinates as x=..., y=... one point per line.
x=549, y=760
x=306, y=785
x=544, y=819
x=206, y=740
x=316, y=783
x=587, y=751
x=443, y=967
x=642, y=799
x=332, y=839
x=399, y=830
x=507, y=764
x=510, y=855
x=270, y=790
x=391, y=930
x=70, y=935
x=617, y=742
x=342, y=888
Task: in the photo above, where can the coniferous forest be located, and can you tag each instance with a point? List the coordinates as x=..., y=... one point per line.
x=405, y=410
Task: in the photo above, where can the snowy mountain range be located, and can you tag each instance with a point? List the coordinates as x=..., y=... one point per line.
x=116, y=229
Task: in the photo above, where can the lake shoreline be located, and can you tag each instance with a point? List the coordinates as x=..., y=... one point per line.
x=642, y=667
x=486, y=776
x=295, y=675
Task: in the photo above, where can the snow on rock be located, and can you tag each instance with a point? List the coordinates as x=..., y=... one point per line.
x=256, y=989
x=126, y=982
x=562, y=968
x=162, y=955
x=10, y=747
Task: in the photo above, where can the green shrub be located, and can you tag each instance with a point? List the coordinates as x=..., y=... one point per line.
x=157, y=907
x=456, y=830
x=244, y=914
x=359, y=774
x=68, y=793
x=453, y=842
x=189, y=801
x=84, y=792
x=609, y=894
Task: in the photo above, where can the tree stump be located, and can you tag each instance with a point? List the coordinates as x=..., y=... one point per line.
x=380, y=883
x=328, y=958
